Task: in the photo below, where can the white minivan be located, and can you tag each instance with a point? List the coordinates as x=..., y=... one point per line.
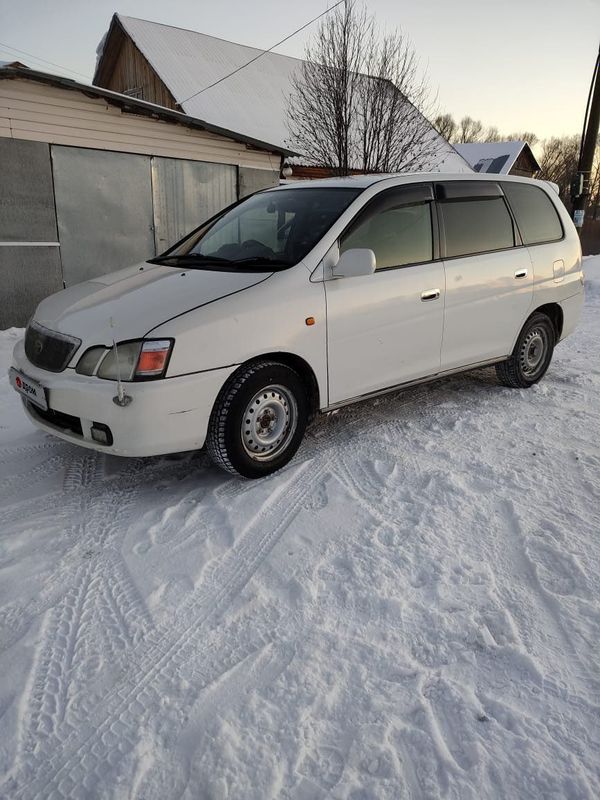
x=299, y=300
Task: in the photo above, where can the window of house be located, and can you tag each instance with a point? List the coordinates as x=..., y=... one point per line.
x=476, y=225
x=398, y=236
x=535, y=213
x=137, y=92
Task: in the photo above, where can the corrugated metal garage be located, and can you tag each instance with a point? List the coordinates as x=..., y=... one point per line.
x=93, y=181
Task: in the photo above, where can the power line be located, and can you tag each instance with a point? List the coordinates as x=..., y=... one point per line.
x=261, y=54
x=43, y=60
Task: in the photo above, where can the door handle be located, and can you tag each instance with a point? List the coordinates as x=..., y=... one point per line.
x=430, y=294
x=521, y=273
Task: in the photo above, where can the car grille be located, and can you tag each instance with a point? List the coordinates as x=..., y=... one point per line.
x=49, y=350
x=57, y=418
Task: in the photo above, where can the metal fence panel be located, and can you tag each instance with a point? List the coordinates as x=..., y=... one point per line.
x=104, y=210
x=186, y=193
x=26, y=200
x=27, y=275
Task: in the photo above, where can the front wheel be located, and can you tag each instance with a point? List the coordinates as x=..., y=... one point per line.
x=258, y=419
x=531, y=356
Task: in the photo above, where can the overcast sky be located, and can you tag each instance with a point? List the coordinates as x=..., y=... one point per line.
x=515, y=64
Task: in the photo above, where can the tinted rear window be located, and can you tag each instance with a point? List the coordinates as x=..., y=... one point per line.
x=536, y=216
x=476, y=226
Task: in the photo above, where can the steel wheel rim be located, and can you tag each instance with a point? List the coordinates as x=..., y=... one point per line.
x=533, y=351
x=269, y=422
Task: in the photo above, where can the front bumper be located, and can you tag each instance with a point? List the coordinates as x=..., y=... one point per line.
x=165, y=416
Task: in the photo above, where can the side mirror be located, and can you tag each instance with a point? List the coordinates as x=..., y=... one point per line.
x=352, y=263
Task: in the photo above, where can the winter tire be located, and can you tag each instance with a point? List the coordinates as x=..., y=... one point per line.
x=531, y=356
x=258, y=419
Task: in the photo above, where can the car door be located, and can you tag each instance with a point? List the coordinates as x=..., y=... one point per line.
x=385, y=328
x=489, y=277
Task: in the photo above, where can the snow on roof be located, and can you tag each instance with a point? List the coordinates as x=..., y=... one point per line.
x=13, y=64
x=496, y=157
x=253, y=102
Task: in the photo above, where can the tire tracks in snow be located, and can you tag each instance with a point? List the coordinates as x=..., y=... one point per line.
x=164, y=652
x=96, y=595
x=32, y=476
x=99, y=514
x=95, y=513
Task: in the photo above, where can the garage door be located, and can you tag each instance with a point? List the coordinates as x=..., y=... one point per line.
x=103, y=210
x=29, y=251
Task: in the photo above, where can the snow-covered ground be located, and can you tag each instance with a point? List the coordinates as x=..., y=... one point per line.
x=410, y=610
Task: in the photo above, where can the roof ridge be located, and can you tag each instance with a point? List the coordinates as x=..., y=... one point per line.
x=500, y=141
x=263, y=50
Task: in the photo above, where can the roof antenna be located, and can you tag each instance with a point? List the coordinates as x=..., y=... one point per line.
x=121, y=398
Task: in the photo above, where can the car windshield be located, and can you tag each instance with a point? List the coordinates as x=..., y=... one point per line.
x=270, y=230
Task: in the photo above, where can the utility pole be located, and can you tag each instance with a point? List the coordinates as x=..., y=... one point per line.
x=580, y=188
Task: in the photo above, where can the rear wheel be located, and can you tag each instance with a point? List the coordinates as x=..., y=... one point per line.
x=531, y=356
x=258, y=419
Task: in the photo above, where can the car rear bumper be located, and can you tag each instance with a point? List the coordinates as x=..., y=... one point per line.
x=571, y=307
x=163, y=416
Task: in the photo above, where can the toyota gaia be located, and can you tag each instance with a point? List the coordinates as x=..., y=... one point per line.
x=299, y=300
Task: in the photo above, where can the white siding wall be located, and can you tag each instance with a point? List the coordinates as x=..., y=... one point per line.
x=42, y=113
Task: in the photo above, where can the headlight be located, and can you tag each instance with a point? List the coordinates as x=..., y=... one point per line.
x=120, y=365
x=138, y=360
x=90, y=359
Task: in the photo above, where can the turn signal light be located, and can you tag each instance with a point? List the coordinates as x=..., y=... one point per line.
x=153, y=358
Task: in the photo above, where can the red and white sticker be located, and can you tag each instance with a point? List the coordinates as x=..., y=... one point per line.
x=29, y=388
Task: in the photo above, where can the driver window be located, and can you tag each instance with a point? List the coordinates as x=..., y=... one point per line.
x=398, y=236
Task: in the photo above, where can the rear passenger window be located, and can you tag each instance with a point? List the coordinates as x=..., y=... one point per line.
x=476, y=226
x=398, y=236
x=536, y=216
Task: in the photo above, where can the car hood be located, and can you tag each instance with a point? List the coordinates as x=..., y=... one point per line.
x=128, y=304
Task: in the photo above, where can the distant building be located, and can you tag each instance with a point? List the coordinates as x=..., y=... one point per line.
x=500, y=158
x=182, y=69
x=93, y=181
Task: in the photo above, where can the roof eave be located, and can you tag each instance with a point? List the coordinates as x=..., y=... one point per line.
x=533, y=158
x=114, y=23
x=134, y=106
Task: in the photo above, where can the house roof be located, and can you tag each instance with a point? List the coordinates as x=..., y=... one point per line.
x=133, y=105
x=495, y=157
x=253, y=100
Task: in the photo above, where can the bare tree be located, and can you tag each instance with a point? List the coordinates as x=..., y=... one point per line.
x=470, y=130
x=321, y=109
x=393, y=99
x=446, y=126
x=522, y=136
x=359, y=99
x=558, y=163
x=492, y=134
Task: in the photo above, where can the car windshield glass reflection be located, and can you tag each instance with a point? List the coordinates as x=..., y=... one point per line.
x=273, y=230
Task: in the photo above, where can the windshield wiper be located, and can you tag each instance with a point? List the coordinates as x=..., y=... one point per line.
x=190, y=258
